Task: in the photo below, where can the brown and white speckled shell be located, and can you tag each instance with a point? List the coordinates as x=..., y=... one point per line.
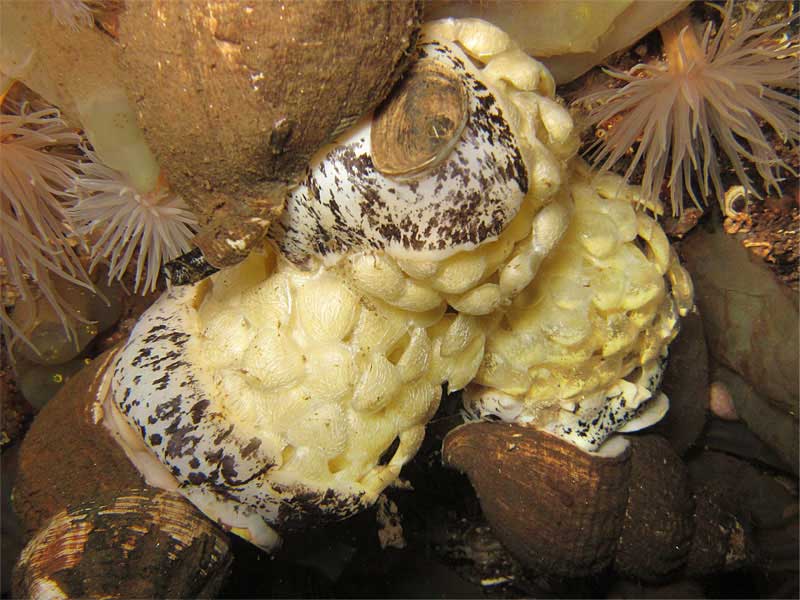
x=275, y=398
x=209, y=454
x=347, y=204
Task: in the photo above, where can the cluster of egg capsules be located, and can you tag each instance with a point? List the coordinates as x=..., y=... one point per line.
x=335, y=367
x=327, y=377
x=335, y=364
x=593, y=327
x=571, y=300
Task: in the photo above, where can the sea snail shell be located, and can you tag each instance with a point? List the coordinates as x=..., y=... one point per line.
x=441, y=167
x=564, y=511
x=277, y=398
x=270, y=394
x=118, y=549
x=97, y=529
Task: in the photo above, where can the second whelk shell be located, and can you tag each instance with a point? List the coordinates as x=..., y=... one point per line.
x=564, y=511
x=442, y=166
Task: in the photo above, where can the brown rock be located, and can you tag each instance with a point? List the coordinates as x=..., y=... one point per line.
x=66, y=459
x=757, y=515
x=750, y=318
x=686, y=386
x=771, y=425
x=15, y=412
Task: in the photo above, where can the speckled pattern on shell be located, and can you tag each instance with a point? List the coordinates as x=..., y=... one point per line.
x=272, y=393
x=622, y=407
x=470, y=197
x=154, y=387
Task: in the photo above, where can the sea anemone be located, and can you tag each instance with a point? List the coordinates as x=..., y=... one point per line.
x=75, y=14
x=724, y=86
x=118, y=219
x=38, y=160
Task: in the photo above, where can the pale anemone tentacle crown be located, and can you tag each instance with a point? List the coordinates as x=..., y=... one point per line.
x=122, y=221
x=283, y=391
x=118, y=191
x=719, y=86
x=39, y=162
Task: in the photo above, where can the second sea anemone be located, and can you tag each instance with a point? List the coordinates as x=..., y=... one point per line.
x=38, y=162
x=721, y=85
x=119, y=220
